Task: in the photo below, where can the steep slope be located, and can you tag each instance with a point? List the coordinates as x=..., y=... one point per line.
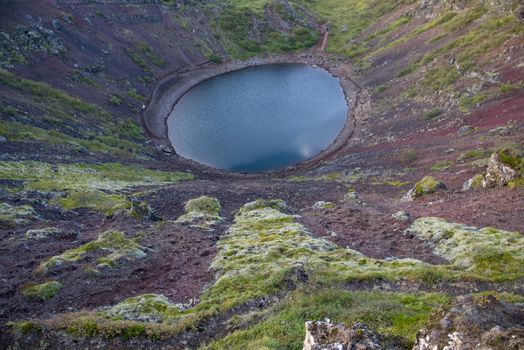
x=109, y=240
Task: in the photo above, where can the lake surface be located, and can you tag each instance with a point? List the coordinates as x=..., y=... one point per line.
x=259, y=118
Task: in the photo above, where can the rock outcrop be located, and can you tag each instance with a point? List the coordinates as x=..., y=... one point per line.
x=501, y=168
x=504, y=166
x=478, y=322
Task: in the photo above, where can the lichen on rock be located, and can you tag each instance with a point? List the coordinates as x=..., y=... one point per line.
x=43, y=233
x=202, y=212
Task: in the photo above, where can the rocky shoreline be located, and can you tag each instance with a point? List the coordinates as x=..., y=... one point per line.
x=172, y=87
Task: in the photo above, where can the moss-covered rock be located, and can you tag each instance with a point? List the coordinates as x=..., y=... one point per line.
x=475, y=183
x=323, y=205
x=43, y=233
x=144, y=308
x=425, y=186
x=142, y=210
x=487, y=252
x=202, y=212
x=11, y=215
x=119, y=247
x=42, y=291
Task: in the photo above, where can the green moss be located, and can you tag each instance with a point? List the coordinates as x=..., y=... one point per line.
x=24, y=327
x=477, y=181
x=511, y=158
x=115, y=100
x=392, y=314
x=487, y=253
x=108, y=176
x=442, y=165
x=43, y=233
x=11, y=215
x=203, y=212
x=108, y=204
x=427, y=185
x=113, y=242
x=432, y=114
x=409, y=156
x=42, y=291
x=145, y=308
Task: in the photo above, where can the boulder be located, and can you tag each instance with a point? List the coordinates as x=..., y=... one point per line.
x=324, y=335
x=401, y=216
x=474, y=183
x=474, y=322
x=465, y=130
x=502, y=167
x=425, y=186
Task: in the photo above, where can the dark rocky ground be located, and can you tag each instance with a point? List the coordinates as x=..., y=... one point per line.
x=95, y=50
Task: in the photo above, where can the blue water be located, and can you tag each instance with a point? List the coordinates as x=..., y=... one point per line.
x=259, y=118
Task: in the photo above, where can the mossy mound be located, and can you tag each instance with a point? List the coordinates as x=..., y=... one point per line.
x=475, y=183
x=43, y=233
x=114, y=242
x=11, y=215
x=487, y=252
x=202, y=212
x=42, y=291
x=144, y=308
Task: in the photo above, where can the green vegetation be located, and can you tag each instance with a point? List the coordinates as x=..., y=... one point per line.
x=432, y=114
x=392, y=314
x=427, y=185
x=202, y=212
x=235, y=28
x=442, y=165
x=409, y=156
x=215, y=58
x=42, y=291
x=87, y=186
x=267, y=253
x=115, y=243
x=59, y=118
x=488, y=252
x=11, y=215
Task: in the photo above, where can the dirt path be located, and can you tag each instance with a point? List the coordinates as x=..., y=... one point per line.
x=325, y=31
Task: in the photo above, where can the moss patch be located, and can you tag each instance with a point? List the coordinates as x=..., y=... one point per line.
x=11, y=215
x=42, y=291
x=119, y=247
x=393, y=314
x=144, y=308
x=202, y=212
x=488, y=253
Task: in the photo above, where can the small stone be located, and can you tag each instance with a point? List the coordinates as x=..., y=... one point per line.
x=401, y=216
x=474, y=183
x=3, y=139
x=449, y=150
